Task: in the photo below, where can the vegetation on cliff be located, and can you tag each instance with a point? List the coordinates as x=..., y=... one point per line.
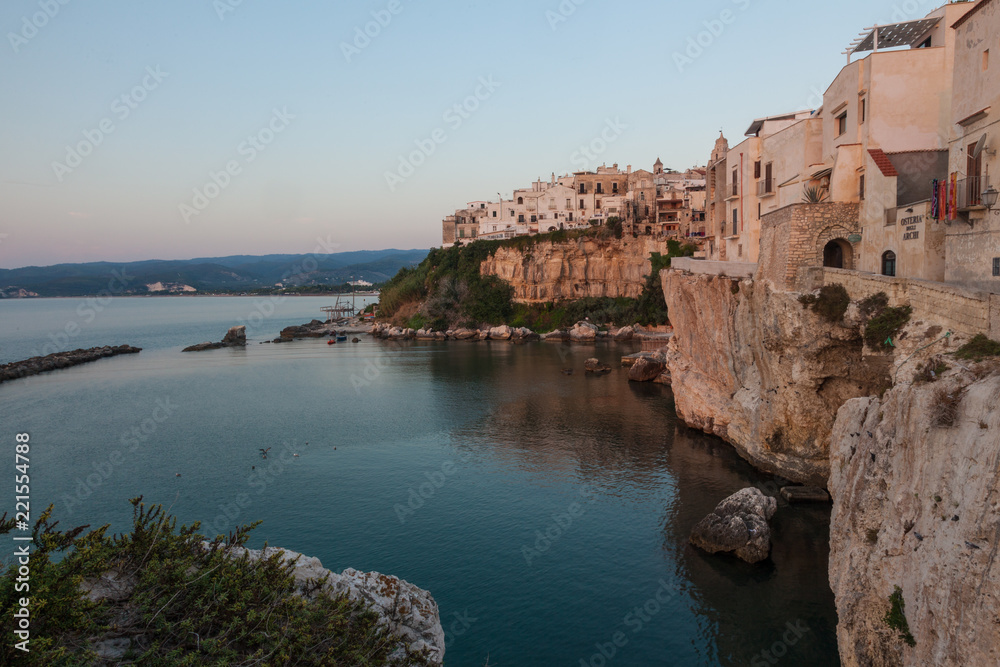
x=447, y=289
x=176, y=601
x=979, y=348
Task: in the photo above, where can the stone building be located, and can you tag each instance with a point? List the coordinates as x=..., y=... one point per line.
x=972, y=239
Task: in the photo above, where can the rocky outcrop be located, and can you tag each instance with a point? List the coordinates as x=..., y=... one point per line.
x=595, y=366
x=235, y=337
x=738, y=525
x=646, y=369
x=409, y=614
x=752, y=366
x=915, y=480
x=36, y=365
x=575, y=269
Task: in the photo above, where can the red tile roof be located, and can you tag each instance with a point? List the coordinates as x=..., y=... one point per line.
x=882, y=161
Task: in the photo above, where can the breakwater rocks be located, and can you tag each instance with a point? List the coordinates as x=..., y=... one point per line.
x=581, y=332
x=318, y=329
x=36, y=365
x=236, y=337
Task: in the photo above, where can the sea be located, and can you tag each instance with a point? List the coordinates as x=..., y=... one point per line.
x=548, y=513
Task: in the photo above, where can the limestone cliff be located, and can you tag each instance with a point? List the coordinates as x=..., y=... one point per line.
x=752, y=366
x=575, y=269
x=915, y=478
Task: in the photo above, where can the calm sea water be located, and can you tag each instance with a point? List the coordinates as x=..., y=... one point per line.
x=548, y=514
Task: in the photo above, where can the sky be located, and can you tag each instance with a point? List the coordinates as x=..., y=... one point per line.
x=194, y=128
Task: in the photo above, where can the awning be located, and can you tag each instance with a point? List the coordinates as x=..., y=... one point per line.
x=907, y=33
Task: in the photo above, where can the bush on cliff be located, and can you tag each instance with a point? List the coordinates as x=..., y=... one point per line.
x=179, y=604
x=979, y=348
x=882, y=329
x=831, y=303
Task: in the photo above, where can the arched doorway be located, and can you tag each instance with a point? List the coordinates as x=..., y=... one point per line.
x=837, y=254
x=889, y=263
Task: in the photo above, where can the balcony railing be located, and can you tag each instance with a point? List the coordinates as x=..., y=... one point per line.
x=970, y=191
x=765, y=187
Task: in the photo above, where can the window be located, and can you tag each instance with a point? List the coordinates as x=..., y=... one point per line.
x=614, y=187
x=569, y=203
x=520, y=201
x=494, y=214
x=598, y=205
x=520, y=217
x=889, y=263
x=736, y=219
x=756, y=169
x=600, y=189
x=739, y=250
x=534, y=218
x=512, y=213
x=926, y=44
x=861, y=187
x=570, y=217
x=842, y=124
x=461, y=232
x=582, y=205
x=862, y=110
x=736, y=182
x=996, y=267
x=769, y=178
x=583, y=188
x=642, y=196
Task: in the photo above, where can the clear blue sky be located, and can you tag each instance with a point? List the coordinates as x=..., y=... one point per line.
x=223, y=68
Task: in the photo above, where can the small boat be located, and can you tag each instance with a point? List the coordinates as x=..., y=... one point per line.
x=341, y=339
x=331, y=342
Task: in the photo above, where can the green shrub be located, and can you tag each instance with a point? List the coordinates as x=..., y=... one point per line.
x=884, y=326
x=831, y=303
x=895, y=618
x=190, y=605
x=979, y=348
x=873, y=305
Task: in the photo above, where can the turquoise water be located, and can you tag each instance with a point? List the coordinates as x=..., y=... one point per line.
x=548, y=514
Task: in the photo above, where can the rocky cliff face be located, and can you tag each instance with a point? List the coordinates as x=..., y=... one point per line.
x=575, y=269
x=753, y=367
x=915, y=478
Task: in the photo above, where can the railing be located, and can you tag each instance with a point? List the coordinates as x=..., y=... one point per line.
x=970, y=191
x=765, y=187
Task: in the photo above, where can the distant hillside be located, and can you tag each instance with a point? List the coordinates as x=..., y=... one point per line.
x=207, y=274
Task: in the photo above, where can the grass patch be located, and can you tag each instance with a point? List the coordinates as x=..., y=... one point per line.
x=895, y=618
x=884, y=326
x=979, y=348
x=831, y=303
x=184, y=604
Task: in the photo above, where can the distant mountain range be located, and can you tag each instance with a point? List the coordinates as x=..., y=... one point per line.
x=206, y=274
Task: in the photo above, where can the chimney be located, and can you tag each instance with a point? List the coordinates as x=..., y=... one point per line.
x=628, y=169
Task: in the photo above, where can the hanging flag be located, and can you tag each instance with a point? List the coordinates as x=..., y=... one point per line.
x=935, y=200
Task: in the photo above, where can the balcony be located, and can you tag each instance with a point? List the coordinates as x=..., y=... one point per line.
x=970, y=192
x=765, y=188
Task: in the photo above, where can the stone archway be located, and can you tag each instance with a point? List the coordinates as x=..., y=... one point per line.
x=833, y=248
